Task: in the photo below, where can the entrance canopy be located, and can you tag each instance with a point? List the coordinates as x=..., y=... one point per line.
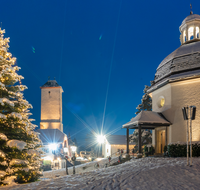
x=147, y=120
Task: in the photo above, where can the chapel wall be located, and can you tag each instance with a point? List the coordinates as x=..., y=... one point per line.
x=185, y=93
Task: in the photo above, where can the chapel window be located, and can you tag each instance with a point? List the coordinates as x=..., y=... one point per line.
x=190, y=33
x=197, y=32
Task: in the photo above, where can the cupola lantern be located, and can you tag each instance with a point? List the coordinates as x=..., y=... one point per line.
x=190, y=29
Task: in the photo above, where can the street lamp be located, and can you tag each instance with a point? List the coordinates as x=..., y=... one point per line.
x=73, y=148
x=100, y=140
x=65, y=152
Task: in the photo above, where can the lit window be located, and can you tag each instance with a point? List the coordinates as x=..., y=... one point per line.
x=197, y=32
x=161, y=102
x=190, y=33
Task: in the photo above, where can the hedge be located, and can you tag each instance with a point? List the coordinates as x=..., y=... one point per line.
x=180, y=150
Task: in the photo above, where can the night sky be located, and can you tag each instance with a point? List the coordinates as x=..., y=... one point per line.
x=95, y=49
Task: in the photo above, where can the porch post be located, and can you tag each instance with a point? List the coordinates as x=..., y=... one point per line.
x=127, y=142
x=166, y=136
x=139, y=139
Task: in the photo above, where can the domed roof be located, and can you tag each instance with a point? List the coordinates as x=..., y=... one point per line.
x=191, y=18
x=186, y=57
x=185, y=49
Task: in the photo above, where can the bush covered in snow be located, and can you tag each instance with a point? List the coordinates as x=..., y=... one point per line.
x=180, y=149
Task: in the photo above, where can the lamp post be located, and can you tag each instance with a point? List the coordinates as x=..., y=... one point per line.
x=66, y=151
x=100, y=140
x=186, y=113
x=73, y=148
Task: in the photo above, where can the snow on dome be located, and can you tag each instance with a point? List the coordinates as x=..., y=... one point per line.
x=16, y=143
x=191, y=18
x=3, y=137
x=18, y=161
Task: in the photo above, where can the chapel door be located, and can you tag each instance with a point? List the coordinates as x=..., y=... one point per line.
x=161, y=141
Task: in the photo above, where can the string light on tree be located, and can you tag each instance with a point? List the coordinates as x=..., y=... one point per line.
x=19, y=155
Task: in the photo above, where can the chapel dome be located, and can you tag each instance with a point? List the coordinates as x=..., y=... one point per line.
x=187, y=56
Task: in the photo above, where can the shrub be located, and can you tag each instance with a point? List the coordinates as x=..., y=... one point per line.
x=180, y=150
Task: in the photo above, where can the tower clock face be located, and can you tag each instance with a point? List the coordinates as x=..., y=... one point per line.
x=161, y=101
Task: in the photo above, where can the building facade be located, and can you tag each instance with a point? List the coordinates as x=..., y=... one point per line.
x=51, y=106
x=177, y=84
x=113, y=145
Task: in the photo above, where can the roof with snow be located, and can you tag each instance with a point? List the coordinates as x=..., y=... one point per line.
x=117, y=139
x=147, y=120
x=51, y=83
x=51, y=135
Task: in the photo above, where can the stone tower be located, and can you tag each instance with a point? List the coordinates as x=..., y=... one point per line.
x=51, y=106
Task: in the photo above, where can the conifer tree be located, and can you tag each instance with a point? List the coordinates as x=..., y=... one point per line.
x=146, y=136
x=146, y=103
x=19, y=155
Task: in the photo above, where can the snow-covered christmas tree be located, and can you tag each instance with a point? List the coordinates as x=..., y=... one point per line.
x=19, y=158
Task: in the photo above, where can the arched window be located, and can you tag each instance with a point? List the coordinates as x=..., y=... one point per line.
x=197, y=32
x=190, y=33
x=184, y=36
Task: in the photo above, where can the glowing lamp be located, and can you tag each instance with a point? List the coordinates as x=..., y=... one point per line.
x=53, y=146
x=65, y=149
x=100, y=139
x=73, y=148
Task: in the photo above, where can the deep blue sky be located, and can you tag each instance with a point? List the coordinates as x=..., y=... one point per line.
x=135, y=37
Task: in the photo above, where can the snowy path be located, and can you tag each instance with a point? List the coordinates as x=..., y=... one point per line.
x=145, y=173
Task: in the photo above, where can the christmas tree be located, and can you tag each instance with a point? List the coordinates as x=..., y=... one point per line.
x=19, y=155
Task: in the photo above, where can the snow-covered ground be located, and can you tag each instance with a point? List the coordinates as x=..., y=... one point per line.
x=144, y=173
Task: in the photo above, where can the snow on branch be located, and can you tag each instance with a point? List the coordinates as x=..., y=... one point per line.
x=16, y=115
x=2, y=154
x=5, y=100
x=18, y=162
x=16, y=143
x=3, y=137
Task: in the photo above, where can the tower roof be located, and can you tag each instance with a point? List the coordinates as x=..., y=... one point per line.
x=51, y=83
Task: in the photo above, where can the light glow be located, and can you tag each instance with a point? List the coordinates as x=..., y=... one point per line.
x=65, y=149
x=53, y=146
x=73, y=148
x=100, y=139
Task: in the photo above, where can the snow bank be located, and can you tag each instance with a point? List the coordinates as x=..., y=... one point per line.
x=144, y=173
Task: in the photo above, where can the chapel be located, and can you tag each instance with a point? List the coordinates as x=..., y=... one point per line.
x=176, y=84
